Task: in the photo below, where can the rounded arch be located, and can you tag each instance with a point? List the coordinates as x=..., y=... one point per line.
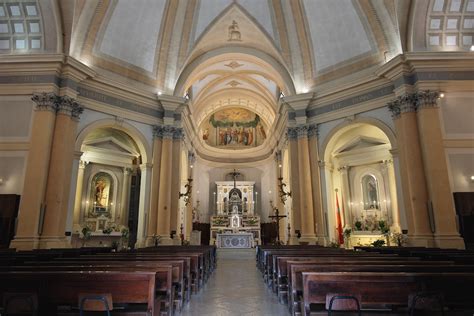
x=347, y=124
x=286, y=80
x=132, y=131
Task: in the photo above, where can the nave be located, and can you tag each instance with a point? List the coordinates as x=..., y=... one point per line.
x=235, y=288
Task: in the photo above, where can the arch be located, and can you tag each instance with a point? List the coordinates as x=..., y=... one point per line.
x=132, y=131
x=362, y=120
x=285, y=81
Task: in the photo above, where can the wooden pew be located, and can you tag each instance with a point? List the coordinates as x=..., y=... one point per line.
x=132, y=292
x=386, y=290
x=166, y=275
x=295, y=287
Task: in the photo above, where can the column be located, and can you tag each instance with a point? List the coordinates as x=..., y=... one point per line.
x=306, y=192
x=188, y=216
x=164, y=192
x=320, y=226
x=344, y=197
x=59, y=176
x=326, y=170
x=144, y=203
x=155, y=185
x=122, y=217
x=389, y=173
x=414, y=186
x=175, y=214
x=72, y=193
x=78, y=199
x=436, y=171
x=36, y=173
x=295, y=187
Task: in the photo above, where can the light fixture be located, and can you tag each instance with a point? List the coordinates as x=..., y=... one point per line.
x=159, y=92
x=441, y=95
x=472, y=178
x=1, y=181
x=304, y=90
x=281, y=188
x=187, y=194
x=472, y=48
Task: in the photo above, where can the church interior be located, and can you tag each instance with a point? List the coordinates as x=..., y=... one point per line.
x=165, y=136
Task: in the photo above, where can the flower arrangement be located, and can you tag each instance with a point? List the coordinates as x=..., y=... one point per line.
x=108, y=230
x=399, y=239
x=219, y=221
x=378, y=243
x=347, y=233
x=358, y=225
x=86, y=233
x=252, y=221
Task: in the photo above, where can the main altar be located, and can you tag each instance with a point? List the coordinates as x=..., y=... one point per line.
x=235, y=225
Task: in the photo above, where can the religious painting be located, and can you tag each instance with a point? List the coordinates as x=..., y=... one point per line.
x=233, y=128
x=101, y=193
x=370, y=192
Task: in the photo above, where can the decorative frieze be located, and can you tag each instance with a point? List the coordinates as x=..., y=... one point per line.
x=412, y=102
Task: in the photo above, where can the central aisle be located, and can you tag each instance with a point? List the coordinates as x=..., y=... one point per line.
x=235, y=288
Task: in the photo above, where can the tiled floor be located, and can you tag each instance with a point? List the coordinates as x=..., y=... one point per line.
x=235, y=288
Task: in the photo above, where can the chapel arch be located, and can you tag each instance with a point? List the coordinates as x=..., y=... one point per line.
x=359, y=165
x=112, y=167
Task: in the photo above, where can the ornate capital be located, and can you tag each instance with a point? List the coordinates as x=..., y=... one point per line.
x=167, y=132
x=426, y=99
x=292, y=133
x=45, y=101
x=178, y=133
x=302, y=131
x=394, y=107
x=312, y=131
x=158, y=131
x=69, y=106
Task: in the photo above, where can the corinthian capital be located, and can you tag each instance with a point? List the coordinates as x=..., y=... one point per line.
x=426, y=99
x=167, y=132
x=69, y=106
x=45, y=101
x=178, y=133
x=302, y=131
x=313, y=130
x=292, y=133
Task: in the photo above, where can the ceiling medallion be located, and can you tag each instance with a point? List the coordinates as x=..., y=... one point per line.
x=234, y=83
x=233, y=64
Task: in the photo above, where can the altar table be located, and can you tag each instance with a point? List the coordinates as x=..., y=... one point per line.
x=239, y=240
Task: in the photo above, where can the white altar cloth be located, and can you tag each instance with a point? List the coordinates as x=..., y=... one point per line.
x=238, y=240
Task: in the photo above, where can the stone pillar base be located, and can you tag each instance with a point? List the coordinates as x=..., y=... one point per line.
x=449, y=241
x=54, y=242
x=149, y=241
x=420, y=241
x=294, y=241
x=322, y=241
x=25, y=243
x=166, y=241
x=311, y=239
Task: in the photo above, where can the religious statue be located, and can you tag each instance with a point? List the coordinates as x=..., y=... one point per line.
x=369, y=186
x=234, y=33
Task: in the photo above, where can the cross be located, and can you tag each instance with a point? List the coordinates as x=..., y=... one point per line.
x=277, y=217
x=235, y=174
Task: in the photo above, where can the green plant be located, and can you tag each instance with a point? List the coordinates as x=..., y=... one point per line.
x=86, y=233
x=185, y=242
x=347, y=233
x=384, y=228
x=115, y=245
x=358, y=225
x=334, y=244
x=378, y=243
x=252, y=221
x=399, y=239
x=107, y=230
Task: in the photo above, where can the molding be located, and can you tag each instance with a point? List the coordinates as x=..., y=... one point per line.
x=14, y=146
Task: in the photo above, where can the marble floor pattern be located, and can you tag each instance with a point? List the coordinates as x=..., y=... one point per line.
x=235, y=288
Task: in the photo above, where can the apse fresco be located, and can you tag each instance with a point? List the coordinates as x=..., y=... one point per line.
x=233, y=128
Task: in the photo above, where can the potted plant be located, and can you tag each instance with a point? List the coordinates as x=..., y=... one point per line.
x=358, y=225
x=347, y=235
x=378, y=243
x=385, y=231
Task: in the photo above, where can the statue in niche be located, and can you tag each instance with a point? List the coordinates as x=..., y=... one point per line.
x=370, y=192
x=234, y=33
x=102, y=191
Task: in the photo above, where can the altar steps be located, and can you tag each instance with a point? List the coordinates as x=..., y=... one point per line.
x=236, y=254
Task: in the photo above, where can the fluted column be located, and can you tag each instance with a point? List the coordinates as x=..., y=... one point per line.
x=412, y=168
x=320, y=226
x=295, y=219
x=175, y=213
x=436, y=170
x=389, y=176
x=59, y=176
x=36, y=173
x=306, y=192
x=164, y=192
x=344, y=197
x=155, y=185
x=78, y=199
x=124, y=201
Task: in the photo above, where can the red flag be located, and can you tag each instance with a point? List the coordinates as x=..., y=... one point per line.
x=339, y=223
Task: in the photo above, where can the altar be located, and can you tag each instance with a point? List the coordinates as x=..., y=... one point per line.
x=231, y=240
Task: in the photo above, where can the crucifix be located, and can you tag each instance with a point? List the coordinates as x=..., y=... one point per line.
x=277, y=217
x=235, y=174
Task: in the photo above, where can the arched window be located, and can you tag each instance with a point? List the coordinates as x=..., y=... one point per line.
x=370, y=192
